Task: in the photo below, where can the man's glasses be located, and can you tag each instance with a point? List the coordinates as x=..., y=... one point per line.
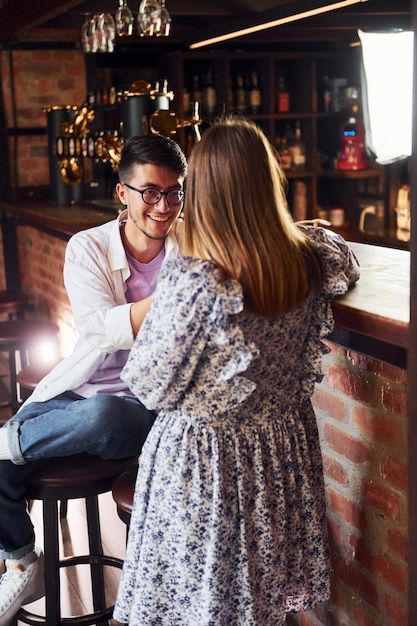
x=151, y=195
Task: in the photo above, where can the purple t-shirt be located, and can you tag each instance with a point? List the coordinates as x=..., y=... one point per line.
x=140, y=284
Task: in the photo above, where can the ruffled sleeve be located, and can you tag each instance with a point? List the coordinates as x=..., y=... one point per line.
x=188, y=332
x=341, y=271
x=341, y=267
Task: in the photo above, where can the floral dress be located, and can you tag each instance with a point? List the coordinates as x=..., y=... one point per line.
x=228, y=525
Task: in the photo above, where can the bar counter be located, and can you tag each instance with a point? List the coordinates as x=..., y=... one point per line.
x=372, y=318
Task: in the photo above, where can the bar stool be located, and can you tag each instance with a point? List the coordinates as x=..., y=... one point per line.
x=13, y=304
x=29, y=376
x=79, y=476
x=18, y=338
x=123, y=491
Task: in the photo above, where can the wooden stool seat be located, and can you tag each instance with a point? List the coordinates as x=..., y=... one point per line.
x=79, y=476
x=18, y=333
x=29, y=376
x=123, y=492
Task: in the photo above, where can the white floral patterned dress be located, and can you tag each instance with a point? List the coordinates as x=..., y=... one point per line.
x=228, y=526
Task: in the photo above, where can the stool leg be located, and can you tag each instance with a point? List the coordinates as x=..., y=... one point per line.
x=13, y=382
x=52, y=569
x=96, y=549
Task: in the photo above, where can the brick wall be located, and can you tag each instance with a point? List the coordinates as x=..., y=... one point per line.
x=361, y=410
x=41, y=261
x=41, y=78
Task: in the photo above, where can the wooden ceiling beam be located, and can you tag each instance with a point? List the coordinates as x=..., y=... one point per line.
x=18, y=16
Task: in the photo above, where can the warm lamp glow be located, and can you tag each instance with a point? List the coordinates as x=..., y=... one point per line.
x=274, y=22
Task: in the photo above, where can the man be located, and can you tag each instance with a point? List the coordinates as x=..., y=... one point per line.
x=110, y=272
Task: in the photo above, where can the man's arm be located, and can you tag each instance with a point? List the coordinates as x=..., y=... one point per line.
x=138, y=311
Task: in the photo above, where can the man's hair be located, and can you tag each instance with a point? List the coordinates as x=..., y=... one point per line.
x=153, y=150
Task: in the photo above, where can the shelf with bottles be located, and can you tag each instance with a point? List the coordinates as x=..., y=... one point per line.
x=292, y=86
x=351, y=194
x=335, y=75
x=248, y=86
x=293, y=140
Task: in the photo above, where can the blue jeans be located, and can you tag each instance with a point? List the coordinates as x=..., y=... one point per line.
x=111, y=427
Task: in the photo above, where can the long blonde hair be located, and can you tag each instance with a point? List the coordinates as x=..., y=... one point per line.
x=236, y=214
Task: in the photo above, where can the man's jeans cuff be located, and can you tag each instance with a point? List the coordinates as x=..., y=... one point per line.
x=16, y=456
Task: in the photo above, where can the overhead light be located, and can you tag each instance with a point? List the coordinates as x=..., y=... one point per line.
x=272, y=18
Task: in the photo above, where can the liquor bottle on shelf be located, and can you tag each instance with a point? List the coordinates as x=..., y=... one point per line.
x=230, y=98
x=297, y=149
x=255, y=95
x=197, y=95
x=285, y=154
x=283, y=98
x=299, y=201
x=186, y=101
x=209, y=94
x=240, y=94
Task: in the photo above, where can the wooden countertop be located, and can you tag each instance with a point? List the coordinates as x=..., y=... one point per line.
x=60, y=220
x=377, y=307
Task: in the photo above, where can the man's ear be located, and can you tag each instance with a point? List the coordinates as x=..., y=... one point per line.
x=121, y=192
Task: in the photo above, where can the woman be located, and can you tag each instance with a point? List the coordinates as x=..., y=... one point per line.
x=229, y=527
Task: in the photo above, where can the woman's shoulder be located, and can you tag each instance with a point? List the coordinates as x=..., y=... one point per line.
x=194, y=279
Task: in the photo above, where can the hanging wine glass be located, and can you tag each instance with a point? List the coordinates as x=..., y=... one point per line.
x=89, y=33
x=106, y=32
x=149, y=18
x=164, y=21
x=124, y=20
x=85, y=40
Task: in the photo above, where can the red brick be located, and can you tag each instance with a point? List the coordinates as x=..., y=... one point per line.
x=335, y=532
x=377, y=426
x=381, y=498
x=348, y=446
x=394, y=400
x=380, y=368
x=335, y=470
x=395, y=576
x=395, y=472
x=397, y=543
x=397, y=611
x=349, y=383
x=363, y=615
x=357, y=582
x=329, y=403
x=344, y=507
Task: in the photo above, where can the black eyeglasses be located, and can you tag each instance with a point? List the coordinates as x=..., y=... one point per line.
x=151, y=195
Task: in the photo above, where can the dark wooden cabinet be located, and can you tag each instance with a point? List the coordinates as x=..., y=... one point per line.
x=316, y=84
x=306, y=76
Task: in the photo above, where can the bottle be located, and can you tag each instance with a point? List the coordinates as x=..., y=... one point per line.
x=326, y=94
x=186, y=101
x=209, y=94
x=297, y=149
x=283, y=99
x=299, y=201
x=285, y=154
x=197, y=93
x=230, y=98
x=255, y=95
x=240, y=94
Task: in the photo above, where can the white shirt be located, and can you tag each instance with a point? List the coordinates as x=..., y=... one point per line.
x=95, y=273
